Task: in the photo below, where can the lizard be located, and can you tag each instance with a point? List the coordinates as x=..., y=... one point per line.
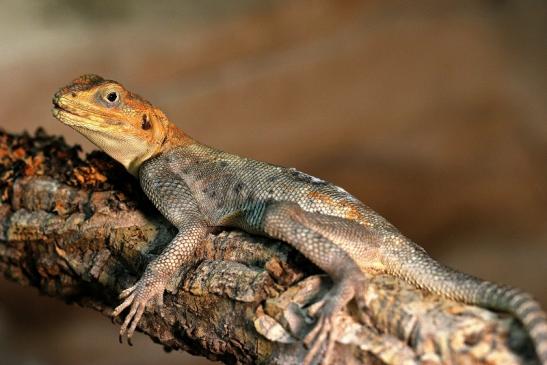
x=199, y=188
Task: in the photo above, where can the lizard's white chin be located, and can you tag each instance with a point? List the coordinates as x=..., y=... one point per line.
x=128, y=150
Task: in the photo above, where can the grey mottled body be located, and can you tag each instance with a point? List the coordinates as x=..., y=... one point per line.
x=231, y=191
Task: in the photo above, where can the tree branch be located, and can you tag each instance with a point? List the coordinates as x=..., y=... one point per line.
x=81, y=230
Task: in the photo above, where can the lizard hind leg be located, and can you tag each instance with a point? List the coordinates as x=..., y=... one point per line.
x=288, y=222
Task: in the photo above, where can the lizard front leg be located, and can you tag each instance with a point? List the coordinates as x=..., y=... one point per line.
x=151, y=285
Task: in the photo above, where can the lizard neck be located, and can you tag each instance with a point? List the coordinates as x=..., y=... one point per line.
x=175, y=138
x=174, y=141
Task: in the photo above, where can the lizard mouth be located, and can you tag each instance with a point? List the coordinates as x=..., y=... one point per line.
x=63, y=114
x=81, y=119
x=58, y=110
x=56, y=107
x=74, y=118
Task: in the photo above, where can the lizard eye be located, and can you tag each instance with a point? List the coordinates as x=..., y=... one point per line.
x=112, y=97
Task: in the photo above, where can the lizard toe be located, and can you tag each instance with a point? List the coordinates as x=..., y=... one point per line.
x=124, y=294
x=134, y=322
x=320, y=340
x=160, y=306
x=120, y=308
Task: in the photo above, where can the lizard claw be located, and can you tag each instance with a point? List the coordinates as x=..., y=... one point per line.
x=137, y=297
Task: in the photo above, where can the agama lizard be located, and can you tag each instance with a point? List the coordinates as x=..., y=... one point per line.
x=197, y=188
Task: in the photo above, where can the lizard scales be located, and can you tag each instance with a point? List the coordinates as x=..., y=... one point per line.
x=197, y=187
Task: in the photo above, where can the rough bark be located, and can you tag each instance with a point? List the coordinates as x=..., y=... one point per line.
x=81, y=230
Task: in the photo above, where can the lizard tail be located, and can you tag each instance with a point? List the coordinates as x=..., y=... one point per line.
x=412, y=264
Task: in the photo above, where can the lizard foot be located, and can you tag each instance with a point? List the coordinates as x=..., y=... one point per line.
x=322, y=338
x=147, y=289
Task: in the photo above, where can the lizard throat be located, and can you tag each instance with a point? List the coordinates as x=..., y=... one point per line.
x=131, y=151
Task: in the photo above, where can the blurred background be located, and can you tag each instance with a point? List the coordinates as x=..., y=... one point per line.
x=434, y=113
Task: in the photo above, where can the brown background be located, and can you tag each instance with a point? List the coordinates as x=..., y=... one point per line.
x=433, y=113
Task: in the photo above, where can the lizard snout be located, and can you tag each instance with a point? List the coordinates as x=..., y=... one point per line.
x=55, y=99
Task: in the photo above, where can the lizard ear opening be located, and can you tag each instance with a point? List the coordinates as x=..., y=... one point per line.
x=145, y=122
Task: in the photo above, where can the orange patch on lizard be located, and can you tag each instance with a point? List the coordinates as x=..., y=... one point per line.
x=351, y=211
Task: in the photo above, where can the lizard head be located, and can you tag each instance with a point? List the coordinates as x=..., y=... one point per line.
x=121, y=123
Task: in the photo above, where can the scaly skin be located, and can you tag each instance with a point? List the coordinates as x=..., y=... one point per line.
x=198, y=188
